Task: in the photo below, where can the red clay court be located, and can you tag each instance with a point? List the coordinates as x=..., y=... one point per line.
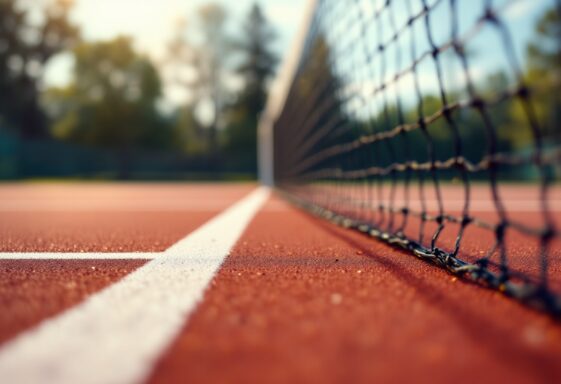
x=297, y=299
x=405, y=227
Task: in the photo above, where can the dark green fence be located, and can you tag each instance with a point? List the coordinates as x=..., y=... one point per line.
x=24, y=159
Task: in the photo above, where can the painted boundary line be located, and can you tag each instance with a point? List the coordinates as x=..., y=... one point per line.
x=117, y=335
x=79, y=255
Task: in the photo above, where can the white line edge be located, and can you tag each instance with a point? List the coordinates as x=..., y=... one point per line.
x=117, y=335
x=79, y=255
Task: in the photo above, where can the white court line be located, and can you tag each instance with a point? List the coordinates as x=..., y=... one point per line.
x=79, y=255
x=117, y=335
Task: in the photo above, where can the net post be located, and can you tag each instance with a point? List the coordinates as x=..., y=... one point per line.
x=277, y=98
x=265, y=149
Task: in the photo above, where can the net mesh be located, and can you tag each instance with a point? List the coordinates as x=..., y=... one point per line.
x=408, y=121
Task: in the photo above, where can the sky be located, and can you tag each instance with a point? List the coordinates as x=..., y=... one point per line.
x=151, y=24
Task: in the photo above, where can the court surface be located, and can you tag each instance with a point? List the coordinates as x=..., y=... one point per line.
x=228, y=283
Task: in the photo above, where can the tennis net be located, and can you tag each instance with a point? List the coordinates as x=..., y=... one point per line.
x=434, y=126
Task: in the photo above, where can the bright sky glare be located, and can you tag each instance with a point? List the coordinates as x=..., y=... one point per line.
x=151, y=23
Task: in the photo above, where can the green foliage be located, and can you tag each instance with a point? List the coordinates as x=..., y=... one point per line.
x=510, y=117
x=189, y=133
x=202, y=53
x=112, y=99
x=544, y=52
x=111, y=102
x=258, y=63
x=544, y=70
x=25, y=49
x=259, y=60
x=543, y=74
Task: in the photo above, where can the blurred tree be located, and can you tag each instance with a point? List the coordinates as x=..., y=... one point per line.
x=543, y=75
x=257, y=66
x=544, y=69
x=199, y=57
x=259, y=61
x=111, y=102
x=25, y=49
x=544, y=52
x=189, y=133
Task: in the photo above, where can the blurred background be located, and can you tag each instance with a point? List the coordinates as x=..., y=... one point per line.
x=167, y=89
x=173, y=89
